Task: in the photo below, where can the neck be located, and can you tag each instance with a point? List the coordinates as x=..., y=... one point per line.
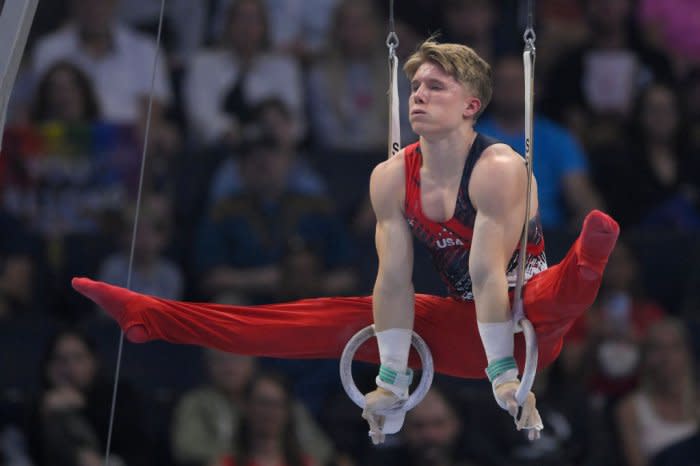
x=443, y=156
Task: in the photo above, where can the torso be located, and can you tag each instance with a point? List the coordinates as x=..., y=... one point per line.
x=446, y=228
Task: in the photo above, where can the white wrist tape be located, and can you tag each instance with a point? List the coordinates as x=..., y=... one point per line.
x=394, y=345
x=497, y=338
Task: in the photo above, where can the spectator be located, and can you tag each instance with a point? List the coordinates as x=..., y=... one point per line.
x=243, y=241
x=17, y=275
x=602, y=77
x=70, y=418
x=614, y=328
x=205, y=418
x=300, y=27
x=569, y=428
x=184, y=24
x=208, y=419
x=223, y=85
x=564, y=189
x=117, y=59
x=431, y=436
x=659, y=191
x=272, y=118
x=152, y=272
x=473, y=23
x=65, y=94
x=267, y=434
x=664, y=409
x=347, y=88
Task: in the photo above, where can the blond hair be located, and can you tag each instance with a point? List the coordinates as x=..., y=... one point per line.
x=460, y=62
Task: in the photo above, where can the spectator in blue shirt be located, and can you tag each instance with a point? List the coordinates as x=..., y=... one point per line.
x=565, y=191
x=244, y=242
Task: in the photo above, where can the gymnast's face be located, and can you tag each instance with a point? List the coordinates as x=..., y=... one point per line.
x=439, y=104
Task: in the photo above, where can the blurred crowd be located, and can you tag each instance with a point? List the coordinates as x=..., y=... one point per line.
x=267, y=117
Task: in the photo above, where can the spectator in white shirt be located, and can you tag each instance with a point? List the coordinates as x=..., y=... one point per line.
x=347, y=89
x=224, y=84
x=184, y=23
x=118, y=60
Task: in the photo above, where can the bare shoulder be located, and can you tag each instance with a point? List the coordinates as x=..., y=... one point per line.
x=499, y=160
x=391, y=171
x=387, y=183
x=499, y=176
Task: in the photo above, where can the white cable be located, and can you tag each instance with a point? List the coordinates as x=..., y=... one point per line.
x=135, y=228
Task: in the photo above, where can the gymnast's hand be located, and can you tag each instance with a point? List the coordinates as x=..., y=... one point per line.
x=377, y=403
x=529, y=417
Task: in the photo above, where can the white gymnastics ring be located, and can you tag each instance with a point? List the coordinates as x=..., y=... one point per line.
x=531, y=356
x=348, y=355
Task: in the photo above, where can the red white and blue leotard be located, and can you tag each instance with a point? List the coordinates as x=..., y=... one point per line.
x=449, y=242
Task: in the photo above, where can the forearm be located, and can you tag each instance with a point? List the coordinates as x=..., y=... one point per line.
x=495, y=325
x=491, y=297
x=392, y=305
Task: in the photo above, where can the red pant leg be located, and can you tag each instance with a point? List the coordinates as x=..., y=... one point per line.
x=320, y=328
x=555, y=298
x=309, y=328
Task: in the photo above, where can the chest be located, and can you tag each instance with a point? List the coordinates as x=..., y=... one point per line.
x=439, y=200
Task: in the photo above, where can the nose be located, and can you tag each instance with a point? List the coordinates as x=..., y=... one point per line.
x=419, y=95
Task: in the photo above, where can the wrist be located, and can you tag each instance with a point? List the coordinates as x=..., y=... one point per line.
x=497, y=339
x=394, y=345
x=394, y=381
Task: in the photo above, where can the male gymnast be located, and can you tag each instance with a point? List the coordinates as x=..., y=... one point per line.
x=463, y=195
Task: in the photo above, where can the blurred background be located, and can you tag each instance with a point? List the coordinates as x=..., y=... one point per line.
x=268, y=118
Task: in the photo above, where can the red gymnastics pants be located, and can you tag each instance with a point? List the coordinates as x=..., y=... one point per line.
x=320, y=327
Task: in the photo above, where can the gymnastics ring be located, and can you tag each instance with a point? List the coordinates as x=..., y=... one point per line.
x=531, y=356
x=362, y=336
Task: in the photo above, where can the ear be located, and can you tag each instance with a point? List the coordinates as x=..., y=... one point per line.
x=472, y=105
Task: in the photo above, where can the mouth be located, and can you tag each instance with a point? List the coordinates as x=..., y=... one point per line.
x=418, y=112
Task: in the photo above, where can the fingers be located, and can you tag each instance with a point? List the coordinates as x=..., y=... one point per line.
x=530, y=418
x=527, y=412
x=512, y=408
x=376, y=424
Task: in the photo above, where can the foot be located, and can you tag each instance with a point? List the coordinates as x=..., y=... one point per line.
x=596, y=241
x=114, y=300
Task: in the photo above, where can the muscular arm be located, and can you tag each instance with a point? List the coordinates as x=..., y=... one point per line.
x=393, y=299
x=497, y=190
x=393, y=296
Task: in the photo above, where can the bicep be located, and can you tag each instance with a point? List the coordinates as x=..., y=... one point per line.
x=393, y=238
x=500, y=202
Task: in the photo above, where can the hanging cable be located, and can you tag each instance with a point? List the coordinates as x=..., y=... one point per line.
x=135, y=228
x=522, y=323
x=392, y=42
